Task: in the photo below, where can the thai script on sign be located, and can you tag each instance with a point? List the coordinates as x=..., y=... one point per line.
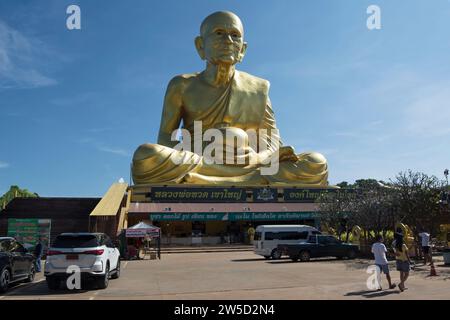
x=167, y=194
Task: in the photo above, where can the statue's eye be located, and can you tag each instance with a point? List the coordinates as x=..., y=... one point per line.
x=219, y=33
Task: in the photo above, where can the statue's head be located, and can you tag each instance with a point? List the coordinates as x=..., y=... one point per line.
x=221, y=39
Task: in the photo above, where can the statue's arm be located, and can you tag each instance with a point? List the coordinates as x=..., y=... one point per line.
x=273, y=138
x=269, y=124
x=172, y=111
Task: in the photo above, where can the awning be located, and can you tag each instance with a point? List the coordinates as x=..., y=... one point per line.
x=142, y=230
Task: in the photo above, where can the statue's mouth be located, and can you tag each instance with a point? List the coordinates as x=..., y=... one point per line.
x=228, y=49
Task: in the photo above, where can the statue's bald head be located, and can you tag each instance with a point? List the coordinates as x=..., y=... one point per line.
x=220, y=18
x=221, y=39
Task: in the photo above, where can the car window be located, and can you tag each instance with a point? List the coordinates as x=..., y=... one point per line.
x=101, y=240
x=16, y=247
x=332, y=240
x=108, y=242
x=257, y=236
x=286, y=235
x=76, y=241
x=312, y=239
x=5, y=245
x=323, y=240
x=19, y=248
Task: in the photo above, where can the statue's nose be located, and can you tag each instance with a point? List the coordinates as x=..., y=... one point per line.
x=228, y=38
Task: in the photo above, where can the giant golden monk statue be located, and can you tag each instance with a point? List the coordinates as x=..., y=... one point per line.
x=222, y=105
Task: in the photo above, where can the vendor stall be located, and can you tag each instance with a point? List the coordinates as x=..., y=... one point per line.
x=142, y=240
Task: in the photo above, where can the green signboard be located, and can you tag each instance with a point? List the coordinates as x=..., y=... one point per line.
x=28, y=231
x=244, y=216
x=312, y=195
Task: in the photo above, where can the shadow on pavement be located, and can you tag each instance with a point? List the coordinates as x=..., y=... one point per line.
x=371, y=293
x=248, y=260
x=280, y=261
x=41, y=289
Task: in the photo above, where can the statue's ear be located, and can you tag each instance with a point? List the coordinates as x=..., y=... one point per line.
x=243, y=51
x=199, y=46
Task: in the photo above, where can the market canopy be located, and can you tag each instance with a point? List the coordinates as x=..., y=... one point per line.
x=142, y=230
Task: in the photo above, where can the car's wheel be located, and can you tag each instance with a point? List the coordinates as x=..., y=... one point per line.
x=32, y=274
x=276, y=254
x=5, y=278
x=351, y=254
x=295, y=259
x=116, y=273
x=52, y=283
x=305, y=256
x=102, y=283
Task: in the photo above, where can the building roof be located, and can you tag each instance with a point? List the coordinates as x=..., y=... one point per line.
x=111, y=201
x=49, y=208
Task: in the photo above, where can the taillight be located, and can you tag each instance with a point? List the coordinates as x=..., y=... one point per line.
x=98, y=252
x=54, y=252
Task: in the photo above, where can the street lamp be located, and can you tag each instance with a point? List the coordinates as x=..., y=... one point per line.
x=446, y=193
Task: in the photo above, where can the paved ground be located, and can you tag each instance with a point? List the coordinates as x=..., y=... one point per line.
x=244, y=275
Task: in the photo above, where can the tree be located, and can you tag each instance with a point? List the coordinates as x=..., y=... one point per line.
x=336, y=213
x=418, y=200
x=369, y=206
x=15, y=192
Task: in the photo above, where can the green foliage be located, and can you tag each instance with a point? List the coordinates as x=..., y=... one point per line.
x=412, y=198
x=15, y=192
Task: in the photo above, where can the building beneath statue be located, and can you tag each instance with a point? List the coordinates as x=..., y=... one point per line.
x=187, y=215
x=191, y=215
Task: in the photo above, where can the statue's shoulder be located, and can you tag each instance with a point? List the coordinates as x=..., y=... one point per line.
x=179, y=82
x=252, y=83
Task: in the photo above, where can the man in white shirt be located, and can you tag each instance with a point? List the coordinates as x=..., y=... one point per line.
x=379, y=251
x=425, y=236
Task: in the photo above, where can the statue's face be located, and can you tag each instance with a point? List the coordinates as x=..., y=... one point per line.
x=222, y=40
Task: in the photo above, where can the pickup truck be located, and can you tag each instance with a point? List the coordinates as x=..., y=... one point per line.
x=319, y=246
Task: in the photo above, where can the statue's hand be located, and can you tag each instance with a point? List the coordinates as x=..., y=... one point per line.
x=288, y=154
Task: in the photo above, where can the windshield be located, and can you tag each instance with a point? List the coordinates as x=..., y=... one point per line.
x=76, y=241
x=4, y=245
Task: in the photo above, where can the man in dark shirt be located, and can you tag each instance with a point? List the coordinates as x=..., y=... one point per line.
x=38, y=251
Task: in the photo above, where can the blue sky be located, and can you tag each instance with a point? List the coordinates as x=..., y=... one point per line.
x=74, y=105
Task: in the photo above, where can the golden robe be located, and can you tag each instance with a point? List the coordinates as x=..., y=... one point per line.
x=243, y=104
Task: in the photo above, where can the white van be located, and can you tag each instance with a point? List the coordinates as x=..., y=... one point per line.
x=268, y=237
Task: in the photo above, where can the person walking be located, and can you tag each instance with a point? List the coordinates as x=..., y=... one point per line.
x=38, y=252
x=251, y=234
x=403, y=261
x=426, y=248
x=379, y=251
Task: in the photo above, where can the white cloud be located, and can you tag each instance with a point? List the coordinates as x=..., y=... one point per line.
x=101, y=147
x=20, y=59
x=429, y=114
x=116, y=151
x=3, y=165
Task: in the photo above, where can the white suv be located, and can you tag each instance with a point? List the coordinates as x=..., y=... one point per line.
x=93, y=253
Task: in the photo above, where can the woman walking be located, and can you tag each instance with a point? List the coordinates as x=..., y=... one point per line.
x=402, y=259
